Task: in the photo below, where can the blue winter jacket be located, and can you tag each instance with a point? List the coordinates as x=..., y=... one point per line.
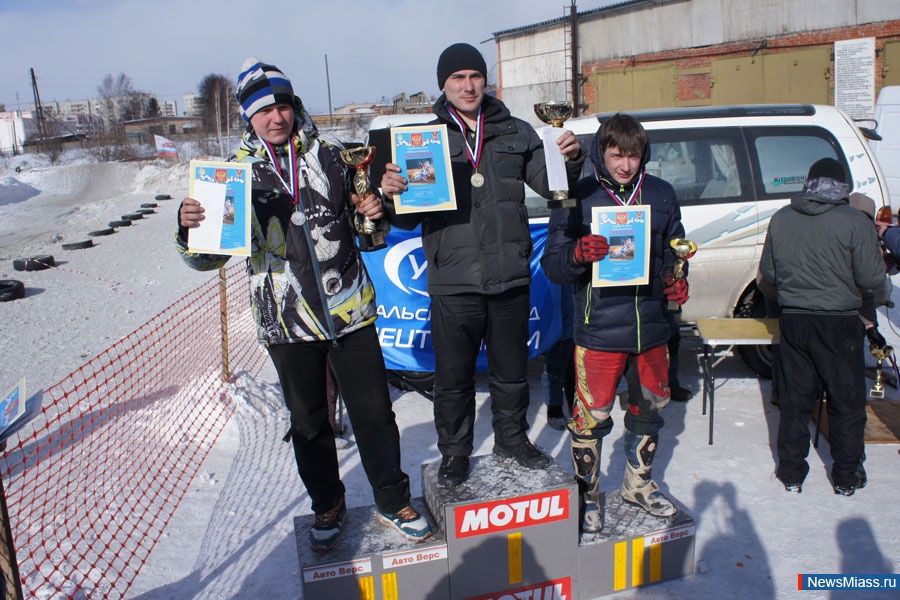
x=615, y=319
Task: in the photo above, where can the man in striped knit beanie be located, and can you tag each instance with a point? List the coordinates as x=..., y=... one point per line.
x=313, y=302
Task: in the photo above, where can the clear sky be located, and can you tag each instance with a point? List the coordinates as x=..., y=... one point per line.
x=375, y=48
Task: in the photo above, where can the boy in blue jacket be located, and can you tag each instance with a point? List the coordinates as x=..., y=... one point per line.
x=618, y=330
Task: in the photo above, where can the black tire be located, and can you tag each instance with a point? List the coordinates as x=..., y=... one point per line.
x=149, y=205
x=758, y=358
x=122, y=223
x=146, y=211
x=163, y=197
x=34, y=263
x=133, y=216
x=11, y=289
x=100, y=232
x=78, y=245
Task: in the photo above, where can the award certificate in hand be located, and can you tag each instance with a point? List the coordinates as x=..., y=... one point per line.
x=627, y=229
x=423, y=154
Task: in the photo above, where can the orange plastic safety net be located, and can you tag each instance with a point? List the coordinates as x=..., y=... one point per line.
x=92, y=482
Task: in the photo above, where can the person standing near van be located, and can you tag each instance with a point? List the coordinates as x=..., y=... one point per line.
x=313, y=302
x=479, y=268
x=618, y=330
x=820, y=253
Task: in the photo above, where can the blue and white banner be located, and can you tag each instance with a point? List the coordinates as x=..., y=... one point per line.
x=404, y=322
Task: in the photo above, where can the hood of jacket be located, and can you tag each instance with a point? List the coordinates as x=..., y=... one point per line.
x=820, y=195
x=603, y=174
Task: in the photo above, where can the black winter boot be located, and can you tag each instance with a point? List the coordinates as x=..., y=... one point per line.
x=586, y=459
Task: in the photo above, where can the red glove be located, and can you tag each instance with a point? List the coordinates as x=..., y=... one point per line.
x=591, y=248
x=677, y=291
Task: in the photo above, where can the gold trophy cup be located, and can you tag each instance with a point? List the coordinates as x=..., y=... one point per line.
x=880, y=354
x=555, y=114
x=683, y=250
x=370, y=236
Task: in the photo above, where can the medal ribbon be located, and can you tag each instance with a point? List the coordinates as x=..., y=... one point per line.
x=473, y=153
x=291, y=183
x=634, y=194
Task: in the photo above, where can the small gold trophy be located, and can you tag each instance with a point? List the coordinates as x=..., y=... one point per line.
x=368, y=232
x=555, y=114
x=683, y=250
x=880, y=354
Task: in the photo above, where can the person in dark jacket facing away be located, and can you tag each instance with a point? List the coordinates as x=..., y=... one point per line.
x=820, y=253
x=618, y=329
x=478, y=262
x=313, y=301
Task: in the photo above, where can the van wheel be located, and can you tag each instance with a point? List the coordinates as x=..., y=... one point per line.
x=758, y=358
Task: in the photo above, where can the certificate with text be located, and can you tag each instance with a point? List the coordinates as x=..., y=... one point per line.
x=627, y=229
x=223, y=189
x=423, y=155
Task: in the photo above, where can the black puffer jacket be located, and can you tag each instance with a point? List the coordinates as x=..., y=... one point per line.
x=484, y=246
x=615, y=319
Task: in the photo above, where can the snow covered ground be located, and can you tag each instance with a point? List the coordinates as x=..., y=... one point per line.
x=233, y=535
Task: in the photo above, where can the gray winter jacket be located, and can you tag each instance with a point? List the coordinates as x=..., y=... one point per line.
x=484, y=246
x=820, y=252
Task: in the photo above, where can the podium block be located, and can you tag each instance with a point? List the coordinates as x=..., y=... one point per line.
x=372, y=561
x=510, y=531
x=506, y=532
x=634, y=549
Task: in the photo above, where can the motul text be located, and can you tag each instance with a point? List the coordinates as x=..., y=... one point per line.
x=511, y=513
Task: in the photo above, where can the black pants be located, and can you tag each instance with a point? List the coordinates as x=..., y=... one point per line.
x=459, y=323
x=358, y=366
x=822, y=351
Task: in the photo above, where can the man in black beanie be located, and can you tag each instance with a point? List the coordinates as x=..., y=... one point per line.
x=479, y=262
x=822, y=254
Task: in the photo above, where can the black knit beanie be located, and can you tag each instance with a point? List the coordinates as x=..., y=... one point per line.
x=459, y=57
x=827, y=167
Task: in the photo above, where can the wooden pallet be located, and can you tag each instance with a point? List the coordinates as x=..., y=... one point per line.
x=882, y=425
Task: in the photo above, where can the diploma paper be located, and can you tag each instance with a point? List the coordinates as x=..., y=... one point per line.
x=627, y=229
x=223, y=189
x=423, y=154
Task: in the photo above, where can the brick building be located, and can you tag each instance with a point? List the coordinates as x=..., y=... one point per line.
x=669, y=53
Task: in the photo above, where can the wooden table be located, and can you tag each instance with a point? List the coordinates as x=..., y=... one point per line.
x=730, y=333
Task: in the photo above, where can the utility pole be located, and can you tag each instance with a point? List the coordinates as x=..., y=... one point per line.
x=576, y=76
x=39, y=109
x=219, y=118
x=328, y=83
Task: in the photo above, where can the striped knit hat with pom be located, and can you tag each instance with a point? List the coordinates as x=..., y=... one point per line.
x=260, y=85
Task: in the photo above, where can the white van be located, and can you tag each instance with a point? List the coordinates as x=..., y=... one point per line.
x=887, y=149
x=732, y=168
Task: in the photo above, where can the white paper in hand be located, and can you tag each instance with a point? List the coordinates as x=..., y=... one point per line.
x=556, y=162
x=208, y=236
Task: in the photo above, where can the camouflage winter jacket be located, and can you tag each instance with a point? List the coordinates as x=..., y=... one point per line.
x=307, y=279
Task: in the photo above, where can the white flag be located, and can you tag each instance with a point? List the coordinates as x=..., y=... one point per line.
x=165, y=147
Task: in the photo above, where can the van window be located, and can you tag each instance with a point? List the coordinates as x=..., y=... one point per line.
x=785, y=155
x=705, y=166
